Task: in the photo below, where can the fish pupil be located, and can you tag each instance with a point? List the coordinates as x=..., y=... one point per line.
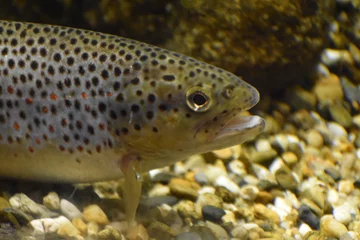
x=199, y=99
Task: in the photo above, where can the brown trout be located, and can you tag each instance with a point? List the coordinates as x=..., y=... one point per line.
x=82, y=106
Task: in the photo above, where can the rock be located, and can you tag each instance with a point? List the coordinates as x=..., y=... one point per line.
x=332, y=228
x=68, y=230
x=203, y=232
x=346, y=186
x=218, y=231
x=225, y=194
x=212, y=213
x=184, y=189
x=286, y=179
x=226, y=153
x=69, y=210
x=333, y=173
x=160, y=230
x=52, y=201
x=137, y=233
x=92, y=229
x=356, y=120
x=249, y=192
x=151, y=202
x=201, y=178
x=342, y=213
x=37, y=226
x=4, y=203
x=308, y=217
x=262, y=145
x=303, y=119
x=159, y=190
x=263, y=157
x=24, y=203
x=341, y=115
x=314, y=139
x=163, y=177
x=93, y=213
x=265, y=213
x=336, y=129
x=224, y=181
x=80, y=225
x=240, y=232
x=188, y=236
x=110, y=233
x=329, y=89
x=213, y=172
x=332, y=57
x=237, y=167
x=317, y=194
x=289, y=158
x=299, y=98
x=186, y=209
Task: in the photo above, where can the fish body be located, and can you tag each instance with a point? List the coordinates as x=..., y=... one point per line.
x=78, y=106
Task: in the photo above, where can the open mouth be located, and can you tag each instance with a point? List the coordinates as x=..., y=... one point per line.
x=242, y=126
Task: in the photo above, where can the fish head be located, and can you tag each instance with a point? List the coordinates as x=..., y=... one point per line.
x=198, y=108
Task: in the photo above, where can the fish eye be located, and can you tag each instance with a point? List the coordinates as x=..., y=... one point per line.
x=197, y=100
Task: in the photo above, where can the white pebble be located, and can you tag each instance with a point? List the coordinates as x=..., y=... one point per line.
x=237, y=167
x=336, y=129
x=342, y=213
x=249, y=192
x=322, y=70
x=262, y=173
x=356, y=120
x=213, y=172
x=304, y=229
x=37, y=226
x=333, y=56
x=276, y=165
x=262, y=145
x=346, y=186
x=69, y=210
x=332, y=196
x=226, y=182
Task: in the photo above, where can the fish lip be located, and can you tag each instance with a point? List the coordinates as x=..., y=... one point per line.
x=240, y=124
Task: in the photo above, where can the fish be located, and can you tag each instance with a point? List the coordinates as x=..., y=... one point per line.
x=79, y=106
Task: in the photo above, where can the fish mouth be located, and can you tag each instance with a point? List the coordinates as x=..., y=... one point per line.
x=240, y=128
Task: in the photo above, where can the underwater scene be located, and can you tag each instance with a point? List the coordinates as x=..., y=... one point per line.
x=179, y=119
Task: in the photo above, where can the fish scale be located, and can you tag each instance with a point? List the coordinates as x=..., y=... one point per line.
x=83, y=106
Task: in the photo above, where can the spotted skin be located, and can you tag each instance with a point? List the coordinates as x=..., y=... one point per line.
x=75, y=104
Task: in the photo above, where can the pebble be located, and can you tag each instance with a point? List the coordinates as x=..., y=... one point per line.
x=92, y=229
x=163, y=177
x=314, y=139
x=341, y=115
x=237, y=167
x=262, y=145
x=308, y=217
x=218, y=231
x=317, y=194
x=225, y=194
x=188, y=236
x=204, y=232
x=333, y=173
x=356, y=120
x=69, y=210
x=152, y=202
x=265, y=213
x=213, y=172
x=159, y=230
x=249, y=192
x=80, y=225
x=186, y=209
x=329, y=89
x=336, y=129
x=24, y=203
x=52, y=201
x=208, y=199
x=201, y=178
x=159, y=190
x=110, y=233
x=331, y=57
x=224, y=181
x=289, y=158
x=184, y=189
x=240, y=232
x=4, y=203
x=304, y=229
x=93, y=213
x=342, y=213
x=286, y=179
x=68, y=230
x=332, y=228
x=212, y=213
x=300, y=98
x=137, y=233
x=228, y=153
x=346, y=186
x=263, y=157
